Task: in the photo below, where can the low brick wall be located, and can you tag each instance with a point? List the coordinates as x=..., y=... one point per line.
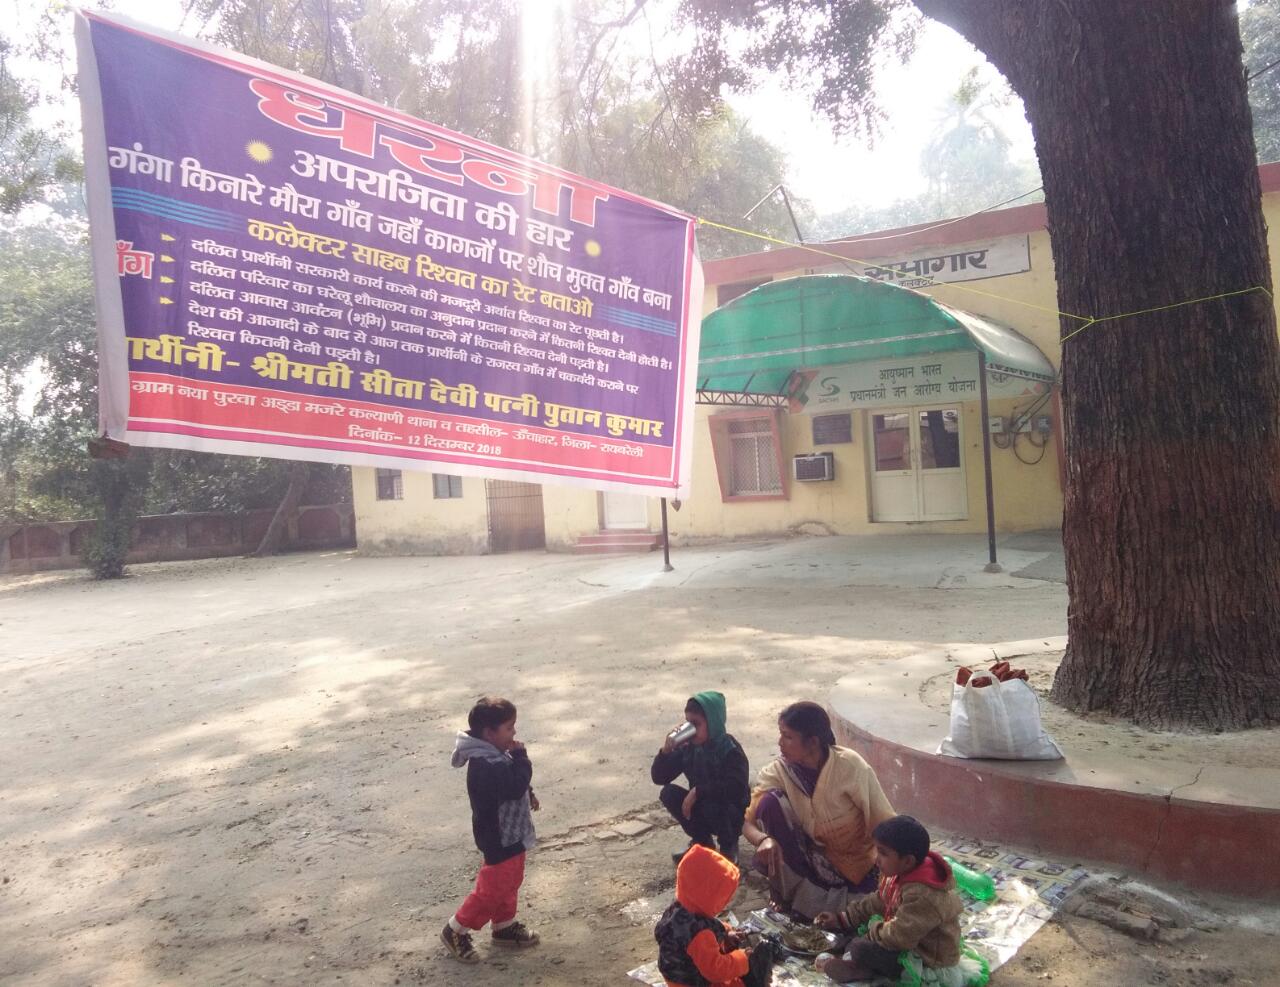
x=168, y=537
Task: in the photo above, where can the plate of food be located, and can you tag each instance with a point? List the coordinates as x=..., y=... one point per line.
x=808, y=940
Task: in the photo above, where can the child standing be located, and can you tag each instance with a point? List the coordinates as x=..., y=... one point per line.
x=694, y=947
x=716, y=767
x=920, y=908
x=498, y=775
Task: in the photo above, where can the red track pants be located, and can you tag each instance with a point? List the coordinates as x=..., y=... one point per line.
x=494, y=897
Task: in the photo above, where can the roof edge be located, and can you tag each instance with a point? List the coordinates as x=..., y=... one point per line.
x=942, y=232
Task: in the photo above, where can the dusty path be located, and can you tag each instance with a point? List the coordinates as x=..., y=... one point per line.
x=236, y=772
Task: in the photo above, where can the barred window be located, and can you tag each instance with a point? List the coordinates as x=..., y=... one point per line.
x=753, y=458
x=390, y=485
x=446, y=486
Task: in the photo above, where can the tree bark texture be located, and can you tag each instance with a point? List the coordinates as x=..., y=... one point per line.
x=108, y=547
x=285, y=512
x=1172, y=507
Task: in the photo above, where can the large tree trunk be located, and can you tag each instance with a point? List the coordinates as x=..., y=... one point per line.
x=108, y=546
x=273, y=537
x=1171, y=529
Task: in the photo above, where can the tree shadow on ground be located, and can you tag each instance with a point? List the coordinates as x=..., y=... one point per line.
x=264, y=794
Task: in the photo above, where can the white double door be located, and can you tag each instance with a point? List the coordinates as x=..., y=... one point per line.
x=917, y=464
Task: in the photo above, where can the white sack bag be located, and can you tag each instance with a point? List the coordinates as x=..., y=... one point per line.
x=1000, y=720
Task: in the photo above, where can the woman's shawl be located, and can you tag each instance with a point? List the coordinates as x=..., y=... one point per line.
x=847, y=804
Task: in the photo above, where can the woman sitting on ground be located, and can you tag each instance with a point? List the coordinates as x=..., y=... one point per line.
x=811, y=816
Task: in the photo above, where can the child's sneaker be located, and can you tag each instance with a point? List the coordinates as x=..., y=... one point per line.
x=459, y=944
x=515, y=935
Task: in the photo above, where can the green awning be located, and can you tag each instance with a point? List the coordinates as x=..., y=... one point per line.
x=754, y=343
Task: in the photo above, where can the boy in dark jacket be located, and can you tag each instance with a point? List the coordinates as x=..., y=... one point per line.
x=498, y=775
x=694, y=947
x=917, y=899
x=719, y=778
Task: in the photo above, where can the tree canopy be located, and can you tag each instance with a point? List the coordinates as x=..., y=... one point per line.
x=967, y=162
x=33, y=161
x=1260, y=31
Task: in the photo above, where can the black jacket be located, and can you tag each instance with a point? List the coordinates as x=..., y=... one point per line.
x=497, y=791
x=675, y=930
x=725, y=779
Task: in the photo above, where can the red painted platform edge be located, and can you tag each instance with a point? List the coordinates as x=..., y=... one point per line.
x=1202, y=845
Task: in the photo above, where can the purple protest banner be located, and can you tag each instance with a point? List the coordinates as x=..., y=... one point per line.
x=286, y=269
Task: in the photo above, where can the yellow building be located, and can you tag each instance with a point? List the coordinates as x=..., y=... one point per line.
x=773, y=459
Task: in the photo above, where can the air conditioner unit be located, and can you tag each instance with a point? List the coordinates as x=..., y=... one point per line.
x=816, y=466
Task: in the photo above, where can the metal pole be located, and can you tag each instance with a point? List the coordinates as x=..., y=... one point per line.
x=786, y=200
x=992, y=565
x=666, y=541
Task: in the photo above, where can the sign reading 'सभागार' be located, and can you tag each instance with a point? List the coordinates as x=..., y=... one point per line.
x=959, y=262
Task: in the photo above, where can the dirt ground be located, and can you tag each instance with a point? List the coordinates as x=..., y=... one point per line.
x=236, y=771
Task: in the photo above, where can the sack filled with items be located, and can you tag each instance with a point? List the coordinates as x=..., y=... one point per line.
x=997, y=714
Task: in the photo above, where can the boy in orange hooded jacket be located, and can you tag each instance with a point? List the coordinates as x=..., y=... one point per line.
x=696, y=949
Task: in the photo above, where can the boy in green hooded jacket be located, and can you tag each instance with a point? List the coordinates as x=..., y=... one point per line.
x=714, y=804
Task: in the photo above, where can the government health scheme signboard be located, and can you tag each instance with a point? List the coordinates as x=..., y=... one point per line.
x=285, y=269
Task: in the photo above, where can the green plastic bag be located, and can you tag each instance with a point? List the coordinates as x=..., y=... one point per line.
x=976, y=971
x=972, y=883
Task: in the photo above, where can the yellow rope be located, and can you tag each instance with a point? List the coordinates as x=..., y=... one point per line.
x=1086, y=320
x=1165, y=308
x=1075, y=332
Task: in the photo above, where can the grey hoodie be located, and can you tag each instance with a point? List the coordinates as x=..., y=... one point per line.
x=498, y=787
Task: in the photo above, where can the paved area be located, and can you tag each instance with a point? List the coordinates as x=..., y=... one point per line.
x=1051, y=567
x=920, y=561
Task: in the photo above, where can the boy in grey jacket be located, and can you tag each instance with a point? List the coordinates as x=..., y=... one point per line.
x=498, y=776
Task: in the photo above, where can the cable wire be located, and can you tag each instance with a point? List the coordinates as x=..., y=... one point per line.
x=1262, y=71
x=938, y=226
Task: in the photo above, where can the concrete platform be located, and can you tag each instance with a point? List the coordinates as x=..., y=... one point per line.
x=617, y=543
x=1203, y=824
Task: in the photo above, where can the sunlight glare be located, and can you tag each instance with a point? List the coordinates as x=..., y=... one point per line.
x=541, y=25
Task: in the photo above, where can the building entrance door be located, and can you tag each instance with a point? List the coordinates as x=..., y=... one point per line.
x=917, y=465
x=625, y=511
x=515, y=516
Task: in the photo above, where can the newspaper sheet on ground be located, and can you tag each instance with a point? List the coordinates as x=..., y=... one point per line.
x=1029, y=891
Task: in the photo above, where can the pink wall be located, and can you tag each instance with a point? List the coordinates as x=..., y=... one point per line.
x=166, y=537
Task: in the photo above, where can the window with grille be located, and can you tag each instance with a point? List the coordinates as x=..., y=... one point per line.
x=390, y=486
x=753, y=458
x=446, y=486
